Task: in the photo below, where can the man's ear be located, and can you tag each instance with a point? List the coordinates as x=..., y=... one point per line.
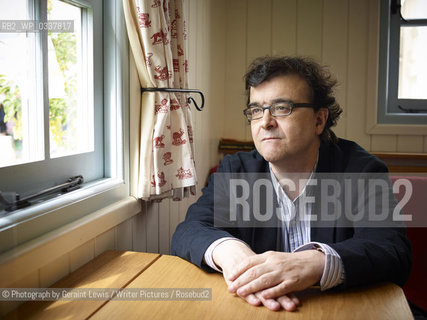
x=321, y=118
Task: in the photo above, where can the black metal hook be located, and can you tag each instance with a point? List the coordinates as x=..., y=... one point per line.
x=190, y=98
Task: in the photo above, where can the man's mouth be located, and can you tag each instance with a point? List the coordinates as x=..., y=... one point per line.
x=269, y=138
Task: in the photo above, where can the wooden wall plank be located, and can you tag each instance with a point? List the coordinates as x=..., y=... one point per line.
x=105, y=241
x=204, y=70
x=357, y=73
x=164, y=216
x=54, y=271
x=383, y=143
x=284, y=27
x=309, y=28
x=235, y=67
x=217, y=70
x=139, y=232
x=152, y=227
x=124, y=236
x=173, y=219
x=82, y=255
x=410, y=143
x=335, y=51
x=258, y=29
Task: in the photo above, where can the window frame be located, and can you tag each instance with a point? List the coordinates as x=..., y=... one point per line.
x=388, y=77
x=49, y=171
x=39, y=219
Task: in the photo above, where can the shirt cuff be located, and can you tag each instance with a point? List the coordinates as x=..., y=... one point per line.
x=208, y=259
x=333, y=271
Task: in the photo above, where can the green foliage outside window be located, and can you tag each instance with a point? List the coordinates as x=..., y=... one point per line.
x=60, y=109
x=12, y=105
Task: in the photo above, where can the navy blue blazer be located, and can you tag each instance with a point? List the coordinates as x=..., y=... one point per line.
x=369, y=254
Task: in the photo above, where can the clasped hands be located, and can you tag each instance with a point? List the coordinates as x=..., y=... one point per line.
x=269, y=278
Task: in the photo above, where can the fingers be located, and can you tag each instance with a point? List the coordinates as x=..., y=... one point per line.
x=280, y=289
x=288, y=302
x=244, y=265
x=252, y=300
x=245, y=282
x=270, y=304
x=251, y=283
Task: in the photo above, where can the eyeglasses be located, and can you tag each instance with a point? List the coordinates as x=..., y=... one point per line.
x=277, y=109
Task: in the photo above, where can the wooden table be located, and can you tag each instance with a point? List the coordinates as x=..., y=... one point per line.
x=115, y=269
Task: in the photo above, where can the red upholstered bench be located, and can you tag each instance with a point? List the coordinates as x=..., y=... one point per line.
x=416, y=287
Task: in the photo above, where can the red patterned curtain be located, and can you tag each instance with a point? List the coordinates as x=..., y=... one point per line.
x=158, y=38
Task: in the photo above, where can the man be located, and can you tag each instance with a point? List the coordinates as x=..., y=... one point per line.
x=291, y=110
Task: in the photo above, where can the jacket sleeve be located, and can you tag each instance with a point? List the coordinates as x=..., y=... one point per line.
x=194, y=235
x=376, y=251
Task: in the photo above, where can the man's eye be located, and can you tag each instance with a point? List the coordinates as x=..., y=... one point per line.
x=281, y=109
x=256, y=111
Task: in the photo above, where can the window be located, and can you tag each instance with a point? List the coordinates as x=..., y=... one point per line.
x=403, y=67
x=64, y=98
x=48, y=96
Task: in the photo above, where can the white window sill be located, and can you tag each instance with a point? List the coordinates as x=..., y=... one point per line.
x=23, y=225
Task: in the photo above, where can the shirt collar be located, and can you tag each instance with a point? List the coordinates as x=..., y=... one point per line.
x=278, y=188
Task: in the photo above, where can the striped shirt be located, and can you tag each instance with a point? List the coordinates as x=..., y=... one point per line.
x=296, y=232
x=296, y=235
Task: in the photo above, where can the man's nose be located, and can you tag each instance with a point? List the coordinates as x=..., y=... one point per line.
x=268, y=120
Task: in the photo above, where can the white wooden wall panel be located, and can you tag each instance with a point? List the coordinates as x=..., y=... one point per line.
x=82, y=255
x=284, y=27
x=384, y=143
x=54, y=271
x=174, y=220
x=164, y=234
x=202, y=68
x=259, y=32
x=235, y=66
x=139, y=232
x=105, y=241
x=357, y=72
x=152, y=227
x=309, y=28
x=335, y=51
x=216, y=93
x=124, y=235
x=410, y=143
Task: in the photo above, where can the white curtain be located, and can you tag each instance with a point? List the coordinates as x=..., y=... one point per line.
x=158, y=38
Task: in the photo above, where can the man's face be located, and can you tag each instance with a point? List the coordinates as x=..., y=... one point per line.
x=294, y=137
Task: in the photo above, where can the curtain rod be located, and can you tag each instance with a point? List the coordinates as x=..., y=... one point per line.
x=189, y=100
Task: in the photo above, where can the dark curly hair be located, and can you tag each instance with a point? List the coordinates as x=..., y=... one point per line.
x=318, y=78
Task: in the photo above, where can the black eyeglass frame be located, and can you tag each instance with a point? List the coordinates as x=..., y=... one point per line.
x=291, y=104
